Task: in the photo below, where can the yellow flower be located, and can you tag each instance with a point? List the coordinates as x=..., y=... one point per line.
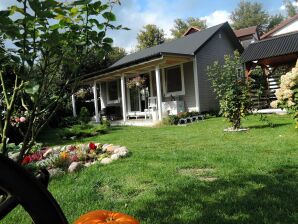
x=64, y=155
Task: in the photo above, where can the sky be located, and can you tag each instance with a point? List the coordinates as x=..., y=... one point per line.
x=134, y=14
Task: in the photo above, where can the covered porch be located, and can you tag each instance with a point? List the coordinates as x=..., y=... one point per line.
x=164, y=81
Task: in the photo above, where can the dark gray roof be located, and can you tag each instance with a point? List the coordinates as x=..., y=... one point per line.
x=272, y=47
x=187, y=45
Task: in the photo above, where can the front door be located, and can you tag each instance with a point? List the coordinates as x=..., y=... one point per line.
x=135, y=101
x=139, y=96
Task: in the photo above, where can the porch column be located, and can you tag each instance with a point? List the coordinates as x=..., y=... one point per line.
x=196, y=83
x=73, y=102
x=102, y=103
x=123, y=97
x=158, y=88
x=95, y=102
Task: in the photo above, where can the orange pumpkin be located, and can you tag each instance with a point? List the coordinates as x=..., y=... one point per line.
x=104, y=216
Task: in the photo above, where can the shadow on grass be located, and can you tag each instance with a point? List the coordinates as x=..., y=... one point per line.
x=273, y=125
x=271, y=198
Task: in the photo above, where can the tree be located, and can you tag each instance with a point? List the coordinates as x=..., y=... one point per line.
x=231, y=87
x=181, y=26
x=249, y=14
x=150, y=36
x=290, y=7
x=273, y=21
x=93, y=63
x=52, y=39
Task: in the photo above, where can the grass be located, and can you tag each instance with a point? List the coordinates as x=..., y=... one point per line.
x=189, y=175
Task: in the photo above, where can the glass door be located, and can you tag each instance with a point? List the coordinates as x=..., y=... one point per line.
x=134, y=96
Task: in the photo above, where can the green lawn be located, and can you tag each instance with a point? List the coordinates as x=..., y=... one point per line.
x=190, y=174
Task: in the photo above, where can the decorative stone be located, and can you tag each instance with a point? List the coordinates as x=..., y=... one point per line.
x=48, y=152
x=75, y=166
x=115, y=156
x=235, y=130
x=55, y=172
x=106, y=161
x=122, y=151
x=105, y=146
x=112, y=148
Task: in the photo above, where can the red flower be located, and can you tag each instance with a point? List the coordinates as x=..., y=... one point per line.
x=92, y=146
x=74, y=158
x=36, y=156
x=26, y=160
x=72, y=148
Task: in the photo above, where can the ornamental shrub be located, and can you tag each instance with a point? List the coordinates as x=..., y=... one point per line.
x=287, y=94
x=231, y=88
x=84, y=115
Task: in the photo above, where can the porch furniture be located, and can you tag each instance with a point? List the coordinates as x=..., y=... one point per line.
x=173, y=107
x=139, y=114
x=18, y=187
x=152, y=102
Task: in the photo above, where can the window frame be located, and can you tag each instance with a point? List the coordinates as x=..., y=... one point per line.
x=165, y=90
x=108, y=94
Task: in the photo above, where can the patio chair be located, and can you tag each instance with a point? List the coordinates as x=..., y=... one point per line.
x=19, y=187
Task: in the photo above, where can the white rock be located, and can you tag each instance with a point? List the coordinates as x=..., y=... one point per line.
x=106, y=161
x=122, y=151
x=73, y=137
x=75, y=166
x=105, y=146
x=123, y=154
x=115, y=156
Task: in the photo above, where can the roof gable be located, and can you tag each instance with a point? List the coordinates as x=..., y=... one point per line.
x=280, y=26
x=187, y=45
x=191, y=30
x=246, y=31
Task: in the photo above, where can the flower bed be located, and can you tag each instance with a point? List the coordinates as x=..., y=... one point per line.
x=71, y=158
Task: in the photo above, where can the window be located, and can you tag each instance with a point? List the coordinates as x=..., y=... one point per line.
x=173, y=81
x=112, y=89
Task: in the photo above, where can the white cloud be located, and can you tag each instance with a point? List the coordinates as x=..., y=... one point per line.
x=134, y=16
x=217, y=17
x=283, y=7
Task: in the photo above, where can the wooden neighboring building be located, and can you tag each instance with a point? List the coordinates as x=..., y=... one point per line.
x=247, y=35
x=276, y=56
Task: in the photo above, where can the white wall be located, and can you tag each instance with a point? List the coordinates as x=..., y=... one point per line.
x=292, y=27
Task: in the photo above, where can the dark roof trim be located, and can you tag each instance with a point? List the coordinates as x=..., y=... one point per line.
x=271, y=47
